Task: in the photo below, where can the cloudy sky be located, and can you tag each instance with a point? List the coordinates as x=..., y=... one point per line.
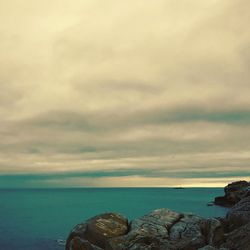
x=124, y=93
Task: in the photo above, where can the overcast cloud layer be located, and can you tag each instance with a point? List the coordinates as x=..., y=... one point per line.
x=124, y=93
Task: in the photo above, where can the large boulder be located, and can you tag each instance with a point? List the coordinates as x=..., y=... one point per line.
x=234, y=192
x=95, y=232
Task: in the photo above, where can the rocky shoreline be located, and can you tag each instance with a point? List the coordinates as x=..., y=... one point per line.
x=163, y=229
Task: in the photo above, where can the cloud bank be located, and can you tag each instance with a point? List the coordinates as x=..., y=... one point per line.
x=117, y=93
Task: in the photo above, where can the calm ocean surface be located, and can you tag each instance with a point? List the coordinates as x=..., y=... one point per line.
x=34, y=219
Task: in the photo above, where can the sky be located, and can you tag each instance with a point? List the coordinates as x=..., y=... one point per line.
x=124, y=93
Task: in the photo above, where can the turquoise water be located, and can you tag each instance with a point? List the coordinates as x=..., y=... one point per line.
x=34, y=219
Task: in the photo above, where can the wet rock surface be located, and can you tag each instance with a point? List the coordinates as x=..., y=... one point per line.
x=164, y=229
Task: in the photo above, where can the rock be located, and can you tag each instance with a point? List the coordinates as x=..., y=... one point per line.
x=234, y=192
x=239, y=214
x=78, y=231
x=162, y=229
x=235, y=187
x=80, y=244
x=239, y=239
x=210, y=204
x=187, y=232
x=148, y=232
x=161, y=217
x=222, y=201
x=208, y=247
x=105, y=226
x=61, y=242
x=140, y=242
x=95, y=232
x=214, y=232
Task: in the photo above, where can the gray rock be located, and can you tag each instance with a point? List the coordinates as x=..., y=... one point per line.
x=239, y=214
x=162, y=229
x=187, y=232
x=140, y=242
x=148, y=232
x=188, y=225
x=208, y=247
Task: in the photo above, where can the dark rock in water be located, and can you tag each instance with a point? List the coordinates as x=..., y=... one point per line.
x=234, y=192
x=222, y=201
x=61, y=242
x=210, y=204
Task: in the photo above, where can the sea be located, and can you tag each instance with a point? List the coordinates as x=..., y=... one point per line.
x=41, y=219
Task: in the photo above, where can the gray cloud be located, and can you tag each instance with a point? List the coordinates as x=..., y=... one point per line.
x=124, y=92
